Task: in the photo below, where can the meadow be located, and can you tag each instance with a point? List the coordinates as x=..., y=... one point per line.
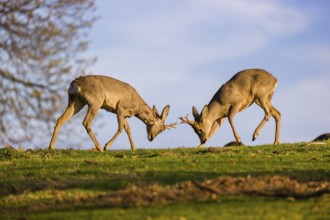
x=286, y=181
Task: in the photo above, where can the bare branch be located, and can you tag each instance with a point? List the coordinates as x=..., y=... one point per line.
x=41, y=45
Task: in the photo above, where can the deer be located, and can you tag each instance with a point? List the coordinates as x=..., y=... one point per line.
x=241, y=91
x=115, y=96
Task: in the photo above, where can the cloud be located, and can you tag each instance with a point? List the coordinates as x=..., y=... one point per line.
x=167, y=43
x=273, y=17
x=164, y=49
x=192, y=33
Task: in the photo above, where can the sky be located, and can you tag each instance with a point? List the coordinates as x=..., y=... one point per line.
x=179, y=52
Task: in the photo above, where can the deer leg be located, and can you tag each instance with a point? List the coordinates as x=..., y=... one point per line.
x=201, y=146
x=129, y=134
x=265, y=105
x=277, y=116
x=74, y=107
x=233, y=110
x=91, y=113
x=121, y=122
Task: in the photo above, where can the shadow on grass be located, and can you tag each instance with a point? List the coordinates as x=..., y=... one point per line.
x=118, y=181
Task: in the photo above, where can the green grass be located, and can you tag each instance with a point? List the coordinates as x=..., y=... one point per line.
x=62, y=184
x=226, y=208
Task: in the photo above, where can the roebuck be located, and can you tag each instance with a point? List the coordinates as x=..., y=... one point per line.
x=243, y=89
x=116, y=97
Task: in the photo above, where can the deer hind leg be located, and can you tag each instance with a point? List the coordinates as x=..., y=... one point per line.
x=233, y=110
x=91, y=113
x=277, y=116
x=269, y=110
x=74, y=106
x=264, y=104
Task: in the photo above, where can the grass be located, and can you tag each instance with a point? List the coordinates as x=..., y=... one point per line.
x=62, y=184
x=227, y=208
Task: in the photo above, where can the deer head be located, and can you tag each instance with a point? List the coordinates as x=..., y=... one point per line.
x=157, y=126
x=202, y=125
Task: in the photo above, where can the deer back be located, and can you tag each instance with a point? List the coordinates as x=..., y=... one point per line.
x=114, y=95
x=245, y=87
x=106, y=92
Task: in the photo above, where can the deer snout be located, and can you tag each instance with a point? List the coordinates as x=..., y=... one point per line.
x=150, y=137
x=203, y=139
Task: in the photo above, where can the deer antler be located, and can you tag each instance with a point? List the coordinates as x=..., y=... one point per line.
x=172, y=125
x=186, y=120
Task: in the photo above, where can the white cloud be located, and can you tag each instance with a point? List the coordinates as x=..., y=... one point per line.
x=156, y=48
x=164, y=46
x=172, y=43
x=272, y=17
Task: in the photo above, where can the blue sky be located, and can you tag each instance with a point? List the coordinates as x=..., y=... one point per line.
x=180, y=52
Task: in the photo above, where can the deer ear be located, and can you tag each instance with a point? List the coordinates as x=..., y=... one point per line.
x=195, y=113
x=205, y=111
x=165, y=112
x=154, y=109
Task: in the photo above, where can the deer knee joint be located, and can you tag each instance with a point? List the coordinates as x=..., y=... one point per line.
x=279, y=116
x=267, y=117
x=87, y=126
x=88, y=129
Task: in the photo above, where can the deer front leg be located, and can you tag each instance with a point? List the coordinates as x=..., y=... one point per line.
x=233, y=110
x=128, y=131
x=91, y=113
x=120, y=129
x=121, y=122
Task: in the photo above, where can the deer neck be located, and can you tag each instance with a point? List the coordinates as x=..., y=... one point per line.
x=215, y=111
x=146, y=114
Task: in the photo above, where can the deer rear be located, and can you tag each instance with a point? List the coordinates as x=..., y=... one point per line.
x=103, y=92
x=242, y=90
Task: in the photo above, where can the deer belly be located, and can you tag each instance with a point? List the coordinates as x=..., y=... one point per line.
x=246, y=105
x=109, y=105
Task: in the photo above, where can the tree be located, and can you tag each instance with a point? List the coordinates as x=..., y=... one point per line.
x=41, y=45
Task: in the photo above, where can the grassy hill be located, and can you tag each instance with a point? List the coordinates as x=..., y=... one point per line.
x=288, y=181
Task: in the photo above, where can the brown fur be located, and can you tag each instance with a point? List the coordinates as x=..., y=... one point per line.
x=242, y=90
x=103, y=92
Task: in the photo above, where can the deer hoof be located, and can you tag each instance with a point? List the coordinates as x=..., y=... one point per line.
x=201, y=146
